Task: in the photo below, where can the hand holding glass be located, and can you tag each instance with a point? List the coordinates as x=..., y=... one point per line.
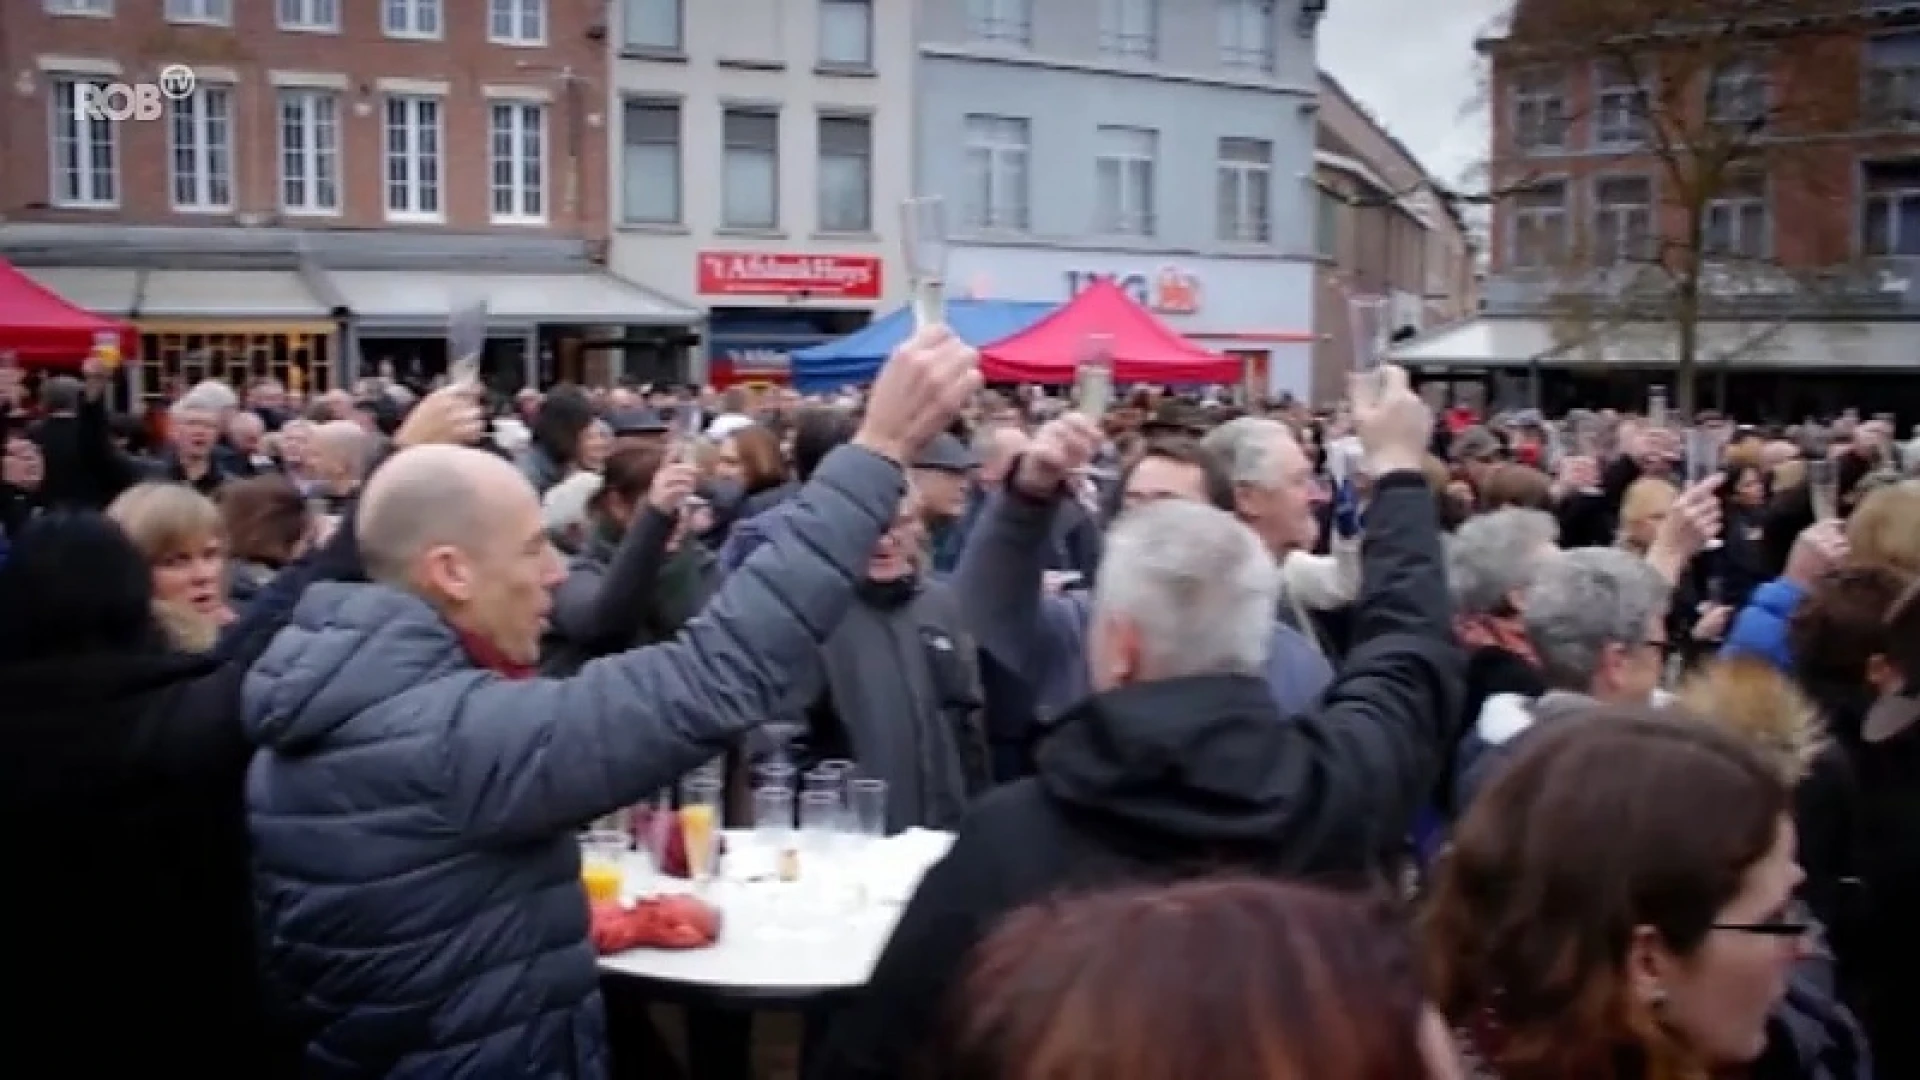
x=466, y=340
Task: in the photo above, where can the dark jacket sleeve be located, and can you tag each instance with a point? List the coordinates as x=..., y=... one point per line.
x=600, y=613
x=111, y=471
x=999, y=583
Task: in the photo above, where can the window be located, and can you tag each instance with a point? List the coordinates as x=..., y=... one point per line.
x=1737, y=97
x=518, y=22
x=202, y=147
x=86, y=153
x=998, y=150
x=1890, y=214
x=1736, y=223
x=309, y=152
x=217, y=12
x=1246, y=191
x=1009, y=22
x=413, y=158
x=79, y=7
x=1539, y=112
x=1130, y=28
x=1247, y=35
x=1622, y=219
x=1326, y=225
x=653, y=24
x=846, y=174
x=413, y=18
x=1540, y=225
x=1620, y=108
x=1124, y=175
x=1891, y=90
x=846, y=33
x=650, y=167
x=309, y=14
x=519, y=159
x=750, y=188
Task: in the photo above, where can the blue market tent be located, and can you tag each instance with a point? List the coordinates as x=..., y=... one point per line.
x=855, y=359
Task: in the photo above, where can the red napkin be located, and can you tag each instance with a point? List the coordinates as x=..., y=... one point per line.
x=658, y=922
x=673, y=858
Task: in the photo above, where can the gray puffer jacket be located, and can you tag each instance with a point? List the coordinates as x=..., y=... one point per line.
x=415, y=871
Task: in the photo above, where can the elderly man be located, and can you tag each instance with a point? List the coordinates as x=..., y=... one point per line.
x=413, y=802
x=245, y=430
x=339, y=454
x=192, y=458
x=1180, y=763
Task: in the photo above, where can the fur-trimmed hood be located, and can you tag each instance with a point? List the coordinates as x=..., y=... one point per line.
x=1747, y=696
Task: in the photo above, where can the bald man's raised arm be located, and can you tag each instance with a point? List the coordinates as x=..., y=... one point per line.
x=526, y=759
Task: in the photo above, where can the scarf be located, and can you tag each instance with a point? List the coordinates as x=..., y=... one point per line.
x=486, y=655
x=888, y=595
x=1493, y=632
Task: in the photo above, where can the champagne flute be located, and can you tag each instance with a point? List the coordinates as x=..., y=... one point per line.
x=1703, y=461
x=923, y=235
x=1657, y=406
x=1093, y=378
x=1823, y=483
x=466, y=340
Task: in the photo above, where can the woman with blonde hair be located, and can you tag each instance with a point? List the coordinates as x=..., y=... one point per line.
x=1642, y=511
x=180, y=533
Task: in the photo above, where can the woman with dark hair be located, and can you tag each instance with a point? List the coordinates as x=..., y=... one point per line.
x=565, y=414
x=1619, y=904
x=1228, y=980
x=268, y=525
x=120, y=799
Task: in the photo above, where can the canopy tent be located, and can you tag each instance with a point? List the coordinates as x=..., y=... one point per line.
x=41, y=329
x=1144, y=348
x=856, y=358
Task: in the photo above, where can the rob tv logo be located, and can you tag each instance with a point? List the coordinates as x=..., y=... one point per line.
x=134, y=101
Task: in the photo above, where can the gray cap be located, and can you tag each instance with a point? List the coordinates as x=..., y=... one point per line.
x=638, y=422
x=947, y=454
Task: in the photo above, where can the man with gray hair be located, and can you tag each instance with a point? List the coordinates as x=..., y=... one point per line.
x=339, y=454
x=192, y=456
x=1180, y=763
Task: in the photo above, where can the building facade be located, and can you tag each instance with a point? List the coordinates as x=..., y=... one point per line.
x=761, y=152
x=1397, y=259
x=1167, y=144
x=323, y=185
x=1753, y=188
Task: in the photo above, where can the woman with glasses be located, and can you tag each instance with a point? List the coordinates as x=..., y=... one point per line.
x=1621, y=904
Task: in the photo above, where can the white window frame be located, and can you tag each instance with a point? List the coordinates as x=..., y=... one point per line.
x=309, y=16
x=413, y=15
x=1238, y=175
x=423, y=168
x=526, y=139
x=1893, y=198
x=1624, y=232
x=846, y=10
x=999, y=149
x=89, y=9
x=1622, y=109
x=1890, y=88
x=1731, y=212
x=1130, y=29
x=1249, y=36
x=728, y=218
x=200, y=12
x=1134, y=182
x=865, y=223
x=87, y=136
x=517, y=22
x=1539, y=218
x=629, y=20
x=627, y=143
x=1001, y=22
x=1538, y=108
x=317, y=161
x=1737, y=84
x=209, y=178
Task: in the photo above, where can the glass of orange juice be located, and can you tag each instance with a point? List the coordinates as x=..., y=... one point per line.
x=602, y=853
x=700, y=826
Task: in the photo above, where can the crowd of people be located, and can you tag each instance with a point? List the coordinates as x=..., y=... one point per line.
x=1371, y=741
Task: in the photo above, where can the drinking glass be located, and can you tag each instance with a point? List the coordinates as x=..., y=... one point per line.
x=1703, y=461
x=1824, y=484
x=868, y=797
x=700, y=826
x=466, y=340
x=776, y=774
x=603, y=854
x=923, y=235
x=1093, y=379
x=820, y=817
x=1657, y=406
x=773, y=827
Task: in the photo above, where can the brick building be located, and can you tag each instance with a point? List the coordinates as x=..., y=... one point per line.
x=1760, y=186
x=340, y=176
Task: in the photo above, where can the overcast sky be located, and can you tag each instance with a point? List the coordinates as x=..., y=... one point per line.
x=1414, y=66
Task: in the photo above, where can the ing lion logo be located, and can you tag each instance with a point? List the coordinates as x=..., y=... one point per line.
x=1176, y=292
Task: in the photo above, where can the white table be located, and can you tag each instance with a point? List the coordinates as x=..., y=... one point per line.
x=754, y=960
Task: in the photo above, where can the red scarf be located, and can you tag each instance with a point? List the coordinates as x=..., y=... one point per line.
x=485, y=654
x=1488, y=631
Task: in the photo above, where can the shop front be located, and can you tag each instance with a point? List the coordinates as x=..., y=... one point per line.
x=762, y=307
x=1258, y=310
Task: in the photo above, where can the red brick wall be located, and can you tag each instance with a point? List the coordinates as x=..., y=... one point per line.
x=142, y=41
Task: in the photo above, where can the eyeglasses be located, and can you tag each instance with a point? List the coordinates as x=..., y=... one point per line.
x=1794, y=922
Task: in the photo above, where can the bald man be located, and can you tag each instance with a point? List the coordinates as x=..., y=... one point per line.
x=414, y=799
x=339, y=454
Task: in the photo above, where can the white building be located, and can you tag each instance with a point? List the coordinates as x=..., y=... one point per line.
x=761, y=149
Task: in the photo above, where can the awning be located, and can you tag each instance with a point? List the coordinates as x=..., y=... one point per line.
x=1507, y=342
x=102, y=290
x=189, y=296
x=419, y=301
x=855, y=359
x=41, y=328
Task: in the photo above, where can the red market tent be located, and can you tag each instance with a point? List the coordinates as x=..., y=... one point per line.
x=41, y=329
x=1145, y=350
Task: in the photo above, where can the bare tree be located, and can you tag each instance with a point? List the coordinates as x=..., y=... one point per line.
x=1696, y=116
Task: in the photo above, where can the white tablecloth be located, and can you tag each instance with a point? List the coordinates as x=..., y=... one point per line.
x=758, y=956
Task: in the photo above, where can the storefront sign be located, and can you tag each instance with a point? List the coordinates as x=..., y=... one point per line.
x=1169, y=291
x=744, y=273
